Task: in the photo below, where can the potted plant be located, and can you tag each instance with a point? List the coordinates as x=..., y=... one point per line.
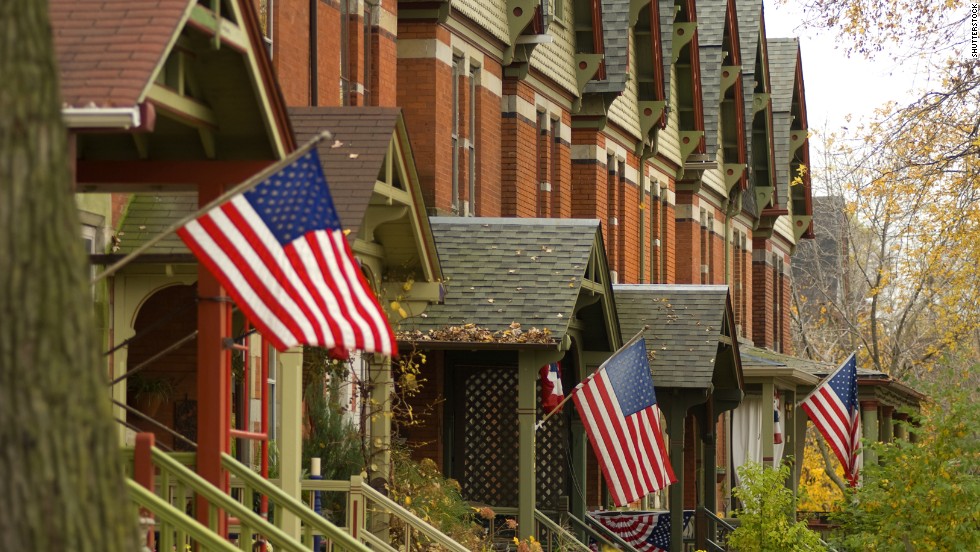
x=149, y=392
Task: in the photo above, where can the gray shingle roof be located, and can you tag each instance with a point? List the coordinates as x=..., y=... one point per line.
x=783, y=55
x=711, y=33
x=685, y=326
x=749, y=13
x=615, y=43
x=504, y=270
x=353, y=157
x=147, y=215
x=667, y=15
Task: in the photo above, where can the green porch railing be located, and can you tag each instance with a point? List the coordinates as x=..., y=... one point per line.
x=601, y=534
x=313, y=524
x=553, y=536
x=206, y=539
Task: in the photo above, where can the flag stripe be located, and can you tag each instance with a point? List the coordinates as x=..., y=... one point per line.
x=630, y=447
x=835, y=411
x=279, y=251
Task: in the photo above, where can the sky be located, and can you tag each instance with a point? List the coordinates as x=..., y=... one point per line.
x=837, y=85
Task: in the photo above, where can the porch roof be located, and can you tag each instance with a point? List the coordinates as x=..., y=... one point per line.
x=759, y=363
x=687, y=330
x=505, y=270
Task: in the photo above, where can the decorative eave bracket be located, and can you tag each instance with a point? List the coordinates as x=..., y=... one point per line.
x=729, y=76
x=635, y=7
x=760, y=101
x=800, y=225
x=683, y=33
x=796, y=140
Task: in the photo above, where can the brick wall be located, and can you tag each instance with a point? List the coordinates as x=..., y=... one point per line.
x=687, y=234
x=488, y=154
x=519, y=154
x=291, y=49
x=763, y=292
x=425, y=96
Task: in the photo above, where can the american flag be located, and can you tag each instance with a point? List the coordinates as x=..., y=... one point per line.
x=833, y=406
x=279, y=251
x=644, y=531
x=618, y=406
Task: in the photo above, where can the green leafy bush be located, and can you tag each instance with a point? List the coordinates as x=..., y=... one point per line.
x=767, y=518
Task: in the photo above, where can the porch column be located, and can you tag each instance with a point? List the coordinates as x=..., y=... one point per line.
x=290, y=384
x=901, y=431
x=528, y=365
x=869, y=428
x=213, y=386
x=709, y=486
x=678, y=412
x=579, y=459
x=767, y=424
x=886, y=423
x=799, y=444
x=382, y=387
x=120, y=329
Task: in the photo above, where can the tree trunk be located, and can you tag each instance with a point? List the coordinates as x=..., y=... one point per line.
x=61, y=479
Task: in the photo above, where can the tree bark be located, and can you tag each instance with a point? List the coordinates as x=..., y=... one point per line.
x=61, y=479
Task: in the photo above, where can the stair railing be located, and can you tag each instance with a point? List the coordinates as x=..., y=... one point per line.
x=313, y=524
x=208, y=540
x=555, y=535
x=600, y=533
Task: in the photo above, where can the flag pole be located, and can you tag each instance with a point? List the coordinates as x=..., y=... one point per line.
x=540, y=423
x=243, y=187
x=827, y=378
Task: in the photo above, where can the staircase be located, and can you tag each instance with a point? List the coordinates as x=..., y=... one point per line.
x=168, y=517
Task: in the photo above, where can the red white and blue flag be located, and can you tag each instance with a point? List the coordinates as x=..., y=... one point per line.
x=644, y=531
x=618, y=407
x=279, y=251
x=552, y=393
x=833, y=407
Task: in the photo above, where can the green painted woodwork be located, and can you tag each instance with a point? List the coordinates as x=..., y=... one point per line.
x=519, y=14
x=222, y=29
x=182, y=107
x=733, y=172
x=796, y=140
x=529, y=362
x=290, y=383
x=650, y=112
x=689, y=139
x=207, y=540
x=800, y=224
x=586, y=66
x=683, y=34
x=284, y=501
x=869, y=431
x=763, y=195
x=768, y=450
x=437, y=11
x=760, y=101
x=729, y=76
x=635, y=7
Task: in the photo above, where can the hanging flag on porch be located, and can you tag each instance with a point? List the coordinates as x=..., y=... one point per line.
x=833, y=406
x=552, y=393
x=279, y=251
x=777, y=426
x=618, y=407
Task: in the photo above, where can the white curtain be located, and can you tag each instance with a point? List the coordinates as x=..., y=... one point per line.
x=777, y=448
x=746, y=430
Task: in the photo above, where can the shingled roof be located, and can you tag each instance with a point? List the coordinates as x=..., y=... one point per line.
x=783, y=57
x=615, y=43
x=108, y=50
x=352, y=158
x=504, y=270
x=711, y=33
x=686, y=323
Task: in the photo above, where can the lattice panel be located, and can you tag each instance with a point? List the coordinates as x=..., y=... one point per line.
x=490, y=438
x=552, y=458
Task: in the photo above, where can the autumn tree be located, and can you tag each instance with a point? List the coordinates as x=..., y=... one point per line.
x=62, y=486
x=922, y=495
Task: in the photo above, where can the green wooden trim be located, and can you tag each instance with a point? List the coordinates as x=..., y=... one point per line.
x=800, y=224
x=218, y=499
x=569, y=542
x=519, y=14
x=729, y=76
x=683, y=34
x=222, y=29
x=162, y=510
x=760, y=101
x=187, y=109
x=636, y=6
x=586, y=66
x=650, y=112
x=796, y=140
x=763, y=195
x=689, y=139
x=284, y=500
x=412, y=520
x=733, y=172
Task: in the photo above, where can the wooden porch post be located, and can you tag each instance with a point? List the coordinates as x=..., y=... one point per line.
x=678, y=413
x=869, y=428
x=213, y=386
x=528, y=364
x=768, y=452
x=290, y=383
